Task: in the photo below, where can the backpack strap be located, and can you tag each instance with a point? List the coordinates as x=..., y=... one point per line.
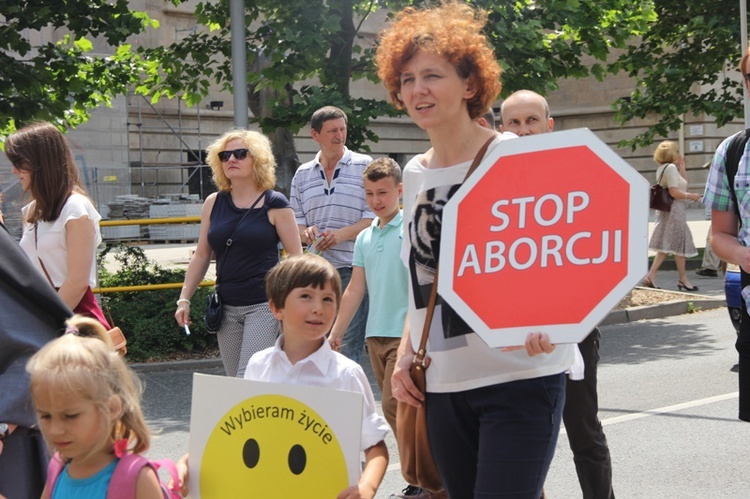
x=735, y=150
x=125, y=477
x=54, y=468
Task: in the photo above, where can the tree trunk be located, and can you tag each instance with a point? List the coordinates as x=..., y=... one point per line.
x=282, y=139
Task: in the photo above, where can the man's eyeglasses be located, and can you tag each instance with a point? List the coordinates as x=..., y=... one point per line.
x=238, y=154
x=747, y=77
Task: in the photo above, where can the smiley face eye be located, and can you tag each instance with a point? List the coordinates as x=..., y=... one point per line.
x=297, y=459
x=251, y=453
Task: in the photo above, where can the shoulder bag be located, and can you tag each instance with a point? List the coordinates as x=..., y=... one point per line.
x=214, y=307
x=89, y=307
x=417, y=465
x=660, y=198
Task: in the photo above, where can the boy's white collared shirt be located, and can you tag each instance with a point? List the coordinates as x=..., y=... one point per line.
x=326, y=369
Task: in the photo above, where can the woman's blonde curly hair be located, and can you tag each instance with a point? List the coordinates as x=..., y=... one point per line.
x=453, y=30
x=264, y=164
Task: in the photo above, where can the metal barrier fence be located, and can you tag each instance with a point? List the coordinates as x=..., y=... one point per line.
x=104, y=224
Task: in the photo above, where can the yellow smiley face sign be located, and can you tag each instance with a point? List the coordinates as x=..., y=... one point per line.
x=271, y=444
x=254, y=439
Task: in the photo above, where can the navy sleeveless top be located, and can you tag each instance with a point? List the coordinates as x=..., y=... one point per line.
x=254, y=248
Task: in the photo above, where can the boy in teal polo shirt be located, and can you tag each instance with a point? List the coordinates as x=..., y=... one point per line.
x=378, y=269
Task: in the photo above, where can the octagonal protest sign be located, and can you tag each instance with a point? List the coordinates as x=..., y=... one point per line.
x=547, y=235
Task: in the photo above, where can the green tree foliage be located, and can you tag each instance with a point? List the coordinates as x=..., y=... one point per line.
x=686, y=62
x=286, y=43
x=61, y=81
x=539, y=42
x=297, y=41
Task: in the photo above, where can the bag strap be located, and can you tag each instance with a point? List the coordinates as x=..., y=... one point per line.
x=124, y=479
x=54, y=468
x=420, y=356
x=234, y=232
x=735, y=150
x=36, y=248
x=658, y=181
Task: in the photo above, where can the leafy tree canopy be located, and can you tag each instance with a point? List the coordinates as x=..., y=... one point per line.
x=61, y=81
x=686, y=62
x=538, y=42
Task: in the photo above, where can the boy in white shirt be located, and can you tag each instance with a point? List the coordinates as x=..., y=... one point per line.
x=304, y=293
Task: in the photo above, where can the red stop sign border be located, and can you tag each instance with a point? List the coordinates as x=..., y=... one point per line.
x=636, y=243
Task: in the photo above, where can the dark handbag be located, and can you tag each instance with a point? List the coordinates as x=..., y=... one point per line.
x=214, y=312
x=417, y=465
x=214, y=308
x=660, y=198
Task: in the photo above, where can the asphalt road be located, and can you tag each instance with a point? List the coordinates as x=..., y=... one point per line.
x=668, y=400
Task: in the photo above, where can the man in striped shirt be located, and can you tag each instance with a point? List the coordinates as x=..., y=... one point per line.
x=328, y=198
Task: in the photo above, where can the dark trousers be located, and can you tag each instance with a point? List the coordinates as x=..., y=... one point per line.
x=496, y=441
x=743, y=349
x=585, y=433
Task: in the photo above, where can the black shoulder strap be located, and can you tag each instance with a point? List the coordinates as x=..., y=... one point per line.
x=735, y=150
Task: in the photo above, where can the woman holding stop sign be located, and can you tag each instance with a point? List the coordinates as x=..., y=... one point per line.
x=493, y=415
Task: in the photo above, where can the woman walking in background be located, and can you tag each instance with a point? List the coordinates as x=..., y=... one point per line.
x=249, y=212
x=60, y=224
x=671, y=234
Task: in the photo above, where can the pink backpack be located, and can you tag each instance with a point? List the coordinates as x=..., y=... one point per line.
x=125, y=477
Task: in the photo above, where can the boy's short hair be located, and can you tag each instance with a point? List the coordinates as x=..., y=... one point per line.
x=382, y=168
x=300, y=272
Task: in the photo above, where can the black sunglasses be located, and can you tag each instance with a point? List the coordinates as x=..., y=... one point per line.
x=747, y=77
x=238, y=154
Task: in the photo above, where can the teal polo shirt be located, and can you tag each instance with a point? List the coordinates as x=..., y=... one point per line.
x=378, y=251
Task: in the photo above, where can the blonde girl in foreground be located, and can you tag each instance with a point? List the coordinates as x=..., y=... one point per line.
x=87, y=402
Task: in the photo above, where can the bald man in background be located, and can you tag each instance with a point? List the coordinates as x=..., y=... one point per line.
x=527, y=113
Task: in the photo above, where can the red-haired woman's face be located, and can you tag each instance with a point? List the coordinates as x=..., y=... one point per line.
x=433, y=92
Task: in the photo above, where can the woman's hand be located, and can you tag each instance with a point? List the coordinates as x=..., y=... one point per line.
x=536, y=343
x=182, y=316
x=402, y=387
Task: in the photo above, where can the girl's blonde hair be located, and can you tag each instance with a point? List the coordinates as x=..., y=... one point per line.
x=88, y=368
x=264, y=164
x=666, y=152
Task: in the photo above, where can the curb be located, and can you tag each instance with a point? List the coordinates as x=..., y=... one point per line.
x=661, y=310
x=632, y=314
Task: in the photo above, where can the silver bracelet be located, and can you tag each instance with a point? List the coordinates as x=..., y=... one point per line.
x=183, y=300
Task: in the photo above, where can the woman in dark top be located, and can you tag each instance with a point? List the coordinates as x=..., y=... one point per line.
x=244, y=171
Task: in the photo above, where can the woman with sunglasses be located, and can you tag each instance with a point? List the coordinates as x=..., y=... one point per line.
x=248, y=211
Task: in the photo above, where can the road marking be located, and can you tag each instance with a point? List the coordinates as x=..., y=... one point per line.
x=638, y=415
x=664, y=410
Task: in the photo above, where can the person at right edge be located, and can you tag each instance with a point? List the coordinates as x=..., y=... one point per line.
x=493, y=415
x=730, y=221
x=527, y=113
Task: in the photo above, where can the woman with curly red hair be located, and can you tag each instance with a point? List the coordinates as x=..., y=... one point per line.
x=493, y=415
